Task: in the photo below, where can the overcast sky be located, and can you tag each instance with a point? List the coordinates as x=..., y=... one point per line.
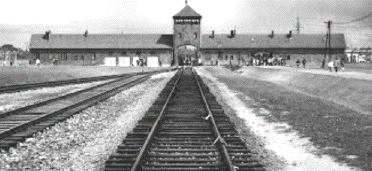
x=21, y=18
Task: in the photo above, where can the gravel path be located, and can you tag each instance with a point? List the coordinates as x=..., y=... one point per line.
x=86, y=140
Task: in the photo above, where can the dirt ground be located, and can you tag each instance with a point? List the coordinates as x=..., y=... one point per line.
x=302, y=123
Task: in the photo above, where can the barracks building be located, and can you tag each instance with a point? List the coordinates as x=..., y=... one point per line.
x=186, y=44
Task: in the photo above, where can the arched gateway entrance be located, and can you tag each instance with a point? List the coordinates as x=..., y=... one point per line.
x=187, y=55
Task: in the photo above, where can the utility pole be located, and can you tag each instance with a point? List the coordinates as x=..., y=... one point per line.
x=328, y=43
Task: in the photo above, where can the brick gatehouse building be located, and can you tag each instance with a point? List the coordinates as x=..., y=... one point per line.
x=186, y=44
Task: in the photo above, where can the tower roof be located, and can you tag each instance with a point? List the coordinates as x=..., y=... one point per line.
x=187, y=12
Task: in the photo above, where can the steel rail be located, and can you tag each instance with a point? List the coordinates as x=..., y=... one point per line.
x=154, y=128
x=59, y=98
x=20, y=87
x=66, y=109
x=74, y=93
x=217, y=133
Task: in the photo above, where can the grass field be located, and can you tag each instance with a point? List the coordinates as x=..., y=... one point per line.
x=32, y=74
x=359, y=67
x=312, y=105
x=348, y=89
x=354, y=67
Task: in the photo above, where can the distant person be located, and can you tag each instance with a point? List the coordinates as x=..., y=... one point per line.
x=342, y=64
x=323, y=63
x=284, y=62
x=331, y=65
x=37, y=62
x=337, y=64
x=55, y=62
x=304, y=62
x=298, y=63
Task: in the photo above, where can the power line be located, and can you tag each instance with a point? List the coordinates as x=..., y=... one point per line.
x=356, y=20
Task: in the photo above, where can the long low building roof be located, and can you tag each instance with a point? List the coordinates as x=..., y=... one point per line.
x=102, y=41
x=165, y=41
x=267, y=41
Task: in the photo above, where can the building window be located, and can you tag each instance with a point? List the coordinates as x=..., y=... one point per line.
x=37, y=55
x=195, y=21
x=226, y=57
x=195, y=35
x=179, y=21
x=231, y=57
x=64, y=56
x=220, y=57
x=179, y=35
x=253, y=39
x=94, y=57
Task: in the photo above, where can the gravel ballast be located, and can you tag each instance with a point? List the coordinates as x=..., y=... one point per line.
x=11, y=101
x=85, y=141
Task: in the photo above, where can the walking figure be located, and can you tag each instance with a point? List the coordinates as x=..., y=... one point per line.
x=37, y=62
x=304, y=62
x=298, y=63
x=342, y=64
x=337, y=64
x=331, y=65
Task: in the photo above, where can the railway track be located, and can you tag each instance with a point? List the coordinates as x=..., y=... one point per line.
x=22, y=87
x=184, y=130
x=17, y=125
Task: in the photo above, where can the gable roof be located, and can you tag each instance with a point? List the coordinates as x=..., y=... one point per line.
x=223, y=41
x=187, y=11
x=165, y=41
x=102, y=41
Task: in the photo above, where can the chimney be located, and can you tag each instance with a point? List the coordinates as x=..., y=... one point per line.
x=86, y=33
x=232, y=34
x=212, y=36
x=272, y=34
x=47, y=35
x=290, y=34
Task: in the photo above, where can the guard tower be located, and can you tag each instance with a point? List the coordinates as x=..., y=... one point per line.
x=186, y=35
